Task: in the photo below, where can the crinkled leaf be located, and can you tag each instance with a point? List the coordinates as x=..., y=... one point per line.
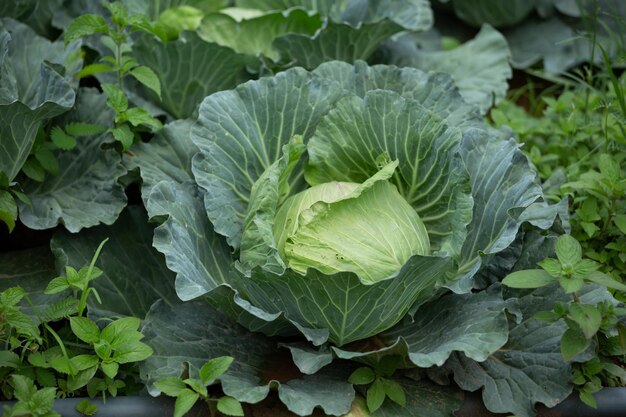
x=528, y=369
x=241, y=132
x=479, y=67
x=191, y=333
x=30, y=90
x=134, y=276
x=189, y=69
x=86, y=191
x=429, y=176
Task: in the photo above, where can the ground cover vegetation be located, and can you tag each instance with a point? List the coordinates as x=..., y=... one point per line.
x=339, y=206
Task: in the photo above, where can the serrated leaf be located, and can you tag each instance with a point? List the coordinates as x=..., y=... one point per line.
x=110, y=369
x=196, y=385
x=529, y=278
x=229, y=406
x=61, y=139
x=148, y=78
x=139, y=116
x=83, y=26
x=184, y=401
x=8, y=209
x=86, y=408
x=568, y=250
x=214, y=368
x=573, y=342
x=375, y=395
x=85, y=329
x=362, y=376
x=124, y=135
x=116, y=98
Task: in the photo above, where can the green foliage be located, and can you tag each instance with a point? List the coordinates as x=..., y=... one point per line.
x=188, y=391
x=578, y=147
x=381, y=385
x=72, y=356
x=116, y=38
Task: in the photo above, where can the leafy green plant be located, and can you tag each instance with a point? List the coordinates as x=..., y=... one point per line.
x=594, y=326
x=30, y=400
x=381, y=385
x=72, y=355
x=115, y=38
x=188, y=391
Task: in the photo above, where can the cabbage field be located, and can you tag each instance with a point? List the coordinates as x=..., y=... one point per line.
x=312, y=207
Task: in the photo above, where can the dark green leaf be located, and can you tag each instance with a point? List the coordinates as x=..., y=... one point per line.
x=33, y=169
x=394, y=391
x=139, y=116
x=84, y=129
x=81, y=379
x=47, y=160
x=8, y=209
x=124, y=135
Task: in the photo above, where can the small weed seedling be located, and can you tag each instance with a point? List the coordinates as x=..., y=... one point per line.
x=380, y=384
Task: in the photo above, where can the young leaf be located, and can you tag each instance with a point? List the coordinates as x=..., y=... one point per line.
x=197, y=386
x=214, y=368
x=184, y=401
x=110, y=369
x=551, y=266
x=375, y=395
x=229, y=406
x=47, y=160
x=362, y=376
x=116, y=99
x=41, y=402
x=61, y=139
x=394, y=391
x=124, y=135
x=23, y=387
x=170, y=386
x=86, y=408
x=528, y=278
x=588, y=318
x=85, y=329
x=148, y=78
x=571, y=285
x=84, y=129
x=94, y=69
x=573, y=342
x=568, y=250
x=85, y=25
x=8, y=209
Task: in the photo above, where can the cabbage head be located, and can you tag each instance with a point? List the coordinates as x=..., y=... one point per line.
x=334, y=203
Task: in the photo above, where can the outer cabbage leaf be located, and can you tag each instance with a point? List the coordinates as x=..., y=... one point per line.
x=134, y=273
x=430, y=174
x=434, y=91
x=189, y=69
x=254, y=36
x=193, y=332
x=241, y=132
x=494, y=12
x=31, y=90
x=339, y=307
x=479, y=67
x=31, y=269
x=86, y=192
x=441, y=327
